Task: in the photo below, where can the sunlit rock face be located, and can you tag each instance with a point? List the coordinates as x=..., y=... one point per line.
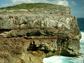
x=28, y=38
x=43, y=24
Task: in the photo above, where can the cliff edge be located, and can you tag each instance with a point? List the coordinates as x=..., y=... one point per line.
x=28, y=35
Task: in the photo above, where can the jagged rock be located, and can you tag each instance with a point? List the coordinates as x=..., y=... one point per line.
x=49, y=25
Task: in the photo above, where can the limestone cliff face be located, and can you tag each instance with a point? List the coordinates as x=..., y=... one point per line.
x=27, y=38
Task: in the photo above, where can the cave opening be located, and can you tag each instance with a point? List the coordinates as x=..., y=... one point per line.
x=33, y=47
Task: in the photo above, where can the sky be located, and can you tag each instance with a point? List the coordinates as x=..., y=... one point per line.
x=77, y=6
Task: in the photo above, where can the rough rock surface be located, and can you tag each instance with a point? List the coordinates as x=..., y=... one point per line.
x=28, y=38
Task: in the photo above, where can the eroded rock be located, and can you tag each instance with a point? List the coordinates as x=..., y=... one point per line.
x=29, y=37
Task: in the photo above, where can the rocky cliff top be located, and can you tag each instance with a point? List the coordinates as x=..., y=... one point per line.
x=44, y=8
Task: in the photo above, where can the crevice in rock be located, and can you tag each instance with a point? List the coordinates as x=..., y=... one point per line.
x=22, y=61
x=3, y=30
x=1, y=18
x=32, y=47
x=70, y=49
x=37, y=33
x=20, y=35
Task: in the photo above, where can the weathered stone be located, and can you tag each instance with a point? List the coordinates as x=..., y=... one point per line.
x=29, y=37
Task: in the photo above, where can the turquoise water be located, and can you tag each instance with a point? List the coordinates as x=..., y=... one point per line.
x=64, y=59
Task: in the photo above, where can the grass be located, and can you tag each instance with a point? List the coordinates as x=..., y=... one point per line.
x=47, y=8
x=30, y=6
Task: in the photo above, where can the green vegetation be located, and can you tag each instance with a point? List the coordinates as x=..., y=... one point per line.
x=29, y=6
x=35, y=8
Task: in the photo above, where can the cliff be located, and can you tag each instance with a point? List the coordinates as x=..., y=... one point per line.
x=29, y=36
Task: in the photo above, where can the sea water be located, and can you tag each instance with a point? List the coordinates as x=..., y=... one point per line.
x=64, y=59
